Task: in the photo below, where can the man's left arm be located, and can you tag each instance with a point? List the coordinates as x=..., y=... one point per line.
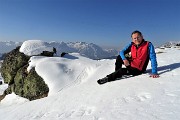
x=152, y=56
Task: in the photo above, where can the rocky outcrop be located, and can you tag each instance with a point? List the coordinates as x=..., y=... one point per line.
x=13, y=61
x=29, y=85
x=25, y=84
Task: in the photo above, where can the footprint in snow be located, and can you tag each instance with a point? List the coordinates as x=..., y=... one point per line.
x=83, y=112
x=143, y=96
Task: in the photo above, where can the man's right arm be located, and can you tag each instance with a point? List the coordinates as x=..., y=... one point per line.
x=125, y=50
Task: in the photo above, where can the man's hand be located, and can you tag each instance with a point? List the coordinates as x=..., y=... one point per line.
x=126, y=62
x=154, y=75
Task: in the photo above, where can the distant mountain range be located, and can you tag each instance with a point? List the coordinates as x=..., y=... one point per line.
x=171, y=44
x=89, y=50
x=7, y=46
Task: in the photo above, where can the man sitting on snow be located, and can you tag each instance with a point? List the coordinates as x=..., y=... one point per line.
x=141, y=51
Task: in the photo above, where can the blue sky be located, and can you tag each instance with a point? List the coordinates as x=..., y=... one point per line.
x=103, y=22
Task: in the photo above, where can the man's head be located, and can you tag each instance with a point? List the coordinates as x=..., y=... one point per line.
x=137, y=37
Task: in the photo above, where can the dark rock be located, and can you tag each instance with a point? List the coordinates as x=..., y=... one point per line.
x=30, y=85
x=54, y=50
x=47, y=53
x=63, y=54
x=13, y=61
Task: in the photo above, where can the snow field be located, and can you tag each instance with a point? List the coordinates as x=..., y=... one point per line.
x=75, y=94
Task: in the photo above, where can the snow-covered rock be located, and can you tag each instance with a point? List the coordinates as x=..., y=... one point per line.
x=35, y=47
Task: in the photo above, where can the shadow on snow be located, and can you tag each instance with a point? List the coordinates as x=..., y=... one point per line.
x=166, y=68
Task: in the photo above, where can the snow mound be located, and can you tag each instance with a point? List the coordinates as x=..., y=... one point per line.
x=60, y=72
x=34, y=47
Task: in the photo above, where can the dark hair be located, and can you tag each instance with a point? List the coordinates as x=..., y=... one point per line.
x=136, y=31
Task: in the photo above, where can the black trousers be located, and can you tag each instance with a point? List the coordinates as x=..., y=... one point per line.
x=119, y=71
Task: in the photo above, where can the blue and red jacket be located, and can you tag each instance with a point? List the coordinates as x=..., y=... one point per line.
x=140, y=56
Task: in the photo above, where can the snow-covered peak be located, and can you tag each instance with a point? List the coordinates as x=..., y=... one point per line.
x=171, y=44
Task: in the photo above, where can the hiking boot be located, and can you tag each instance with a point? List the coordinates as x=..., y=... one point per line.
x=103, y=80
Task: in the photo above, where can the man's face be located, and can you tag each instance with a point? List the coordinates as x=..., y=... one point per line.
x=137, y=39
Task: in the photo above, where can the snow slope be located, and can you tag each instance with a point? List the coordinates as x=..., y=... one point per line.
x=75, y=94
